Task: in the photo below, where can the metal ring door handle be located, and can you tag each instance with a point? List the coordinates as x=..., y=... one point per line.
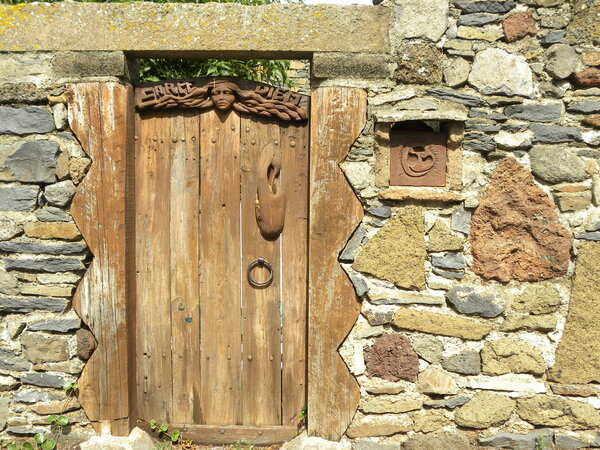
x=260, y=261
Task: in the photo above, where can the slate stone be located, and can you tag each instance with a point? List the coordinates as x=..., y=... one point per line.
x=459, y=275
x=482, y=125
x=51, y=249
x=557, y=165
x=494, y=7
x=360, y=286
x=18, y=198
x=34, y=162
x=453, y=96
x=61, y=193
x=29, y=304
x=449, y=403
x=379, y=317
x=383, y=212
x=461, y=220
x=24, y=430
x=563, y=441
x=58, y=325
x=477, y=19
x=466, y=363
x=554, y=134
x=479, y=142
x=52, y=214
x=27, y=120
x=349, y=252
x=518, y=441
x=593, y=236
x=449, y=261
x=535, y=113
x=554, y=37
x=477, y=113
x=44, y=380
x=44, y=264
x=9, y=360
x=33, y=396
x=467, y=301
x=586, y=107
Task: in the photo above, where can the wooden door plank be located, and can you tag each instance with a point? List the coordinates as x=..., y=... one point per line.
x=261, y=330
x=339, y=115
x=220, y=332
x=100, y=116
x=185, y=287
x=153, y=282
x=294, y=148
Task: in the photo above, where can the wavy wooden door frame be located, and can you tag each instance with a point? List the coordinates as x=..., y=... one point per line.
x=101, y=116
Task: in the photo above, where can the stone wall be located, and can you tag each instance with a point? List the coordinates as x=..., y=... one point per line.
x=479, y=310
x=43, y=343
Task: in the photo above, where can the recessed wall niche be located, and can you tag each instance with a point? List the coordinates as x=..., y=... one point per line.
x=419, y=160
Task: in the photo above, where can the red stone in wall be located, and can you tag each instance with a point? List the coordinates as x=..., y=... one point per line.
x=515, y=232
x=392, y=358
x=519, y=25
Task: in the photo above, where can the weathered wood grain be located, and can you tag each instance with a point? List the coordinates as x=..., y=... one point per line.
x=153, y=233
x=220, y=331
x=261, y=330
x=335, y=212
x=185, y=267
x=294, y=260
x=99, y=115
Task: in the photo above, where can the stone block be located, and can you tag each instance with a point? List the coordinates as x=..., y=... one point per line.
x=575, y=390
x=429, y=421
x=61, y=193
x=427, y=19
x=441, y=239
x=18, y=198
x=9, y=285
x=457, y=73
x=591, y=57
x=9, y=229
x=518, y=322
x=434, y=380
x=465, y=363
x=51, y=249
x=576, y=360
x=585, y=107
x=488, y=33
x=52, y=230
x=574, y=201
x=379, y=425
x=10, y=361
x=28, y=304
x=44, y=264
x=441, y=324
x=508, y=383
x=30, y=162
x=86, y=344
x=383, y=404
x=419, y=64
x=549, y=112
x=34, y=396
x=47, y=290
x=452, y=261
x=515, y=231
x=353, y=244
x=495, y=71
x=553, y=411
x=489, y=6
x=56, y=325
x=555, y=165
x=587, y=78
x=562, y=61
x=392, y=358
x=282, y=29
x=52, y=214
x=40, y=347
x=428, y=347
x=397, y=252
x=509, y=355
x=477, y=19
x=518, y=25
x=485, y=410
x=349, y=65
x=518, y=441
x=448, y=403
x=25, y=120
x=45, y=380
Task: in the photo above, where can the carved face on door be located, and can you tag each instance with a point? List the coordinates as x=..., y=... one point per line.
x=222, y=96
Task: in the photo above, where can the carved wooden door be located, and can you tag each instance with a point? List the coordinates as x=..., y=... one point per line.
x=220, y=193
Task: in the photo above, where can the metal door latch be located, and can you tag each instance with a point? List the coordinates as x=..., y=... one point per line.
x=260, y=261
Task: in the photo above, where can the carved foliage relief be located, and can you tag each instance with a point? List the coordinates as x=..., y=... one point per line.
x=224, y=94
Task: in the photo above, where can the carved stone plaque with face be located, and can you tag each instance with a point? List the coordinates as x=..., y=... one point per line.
x=417, y=158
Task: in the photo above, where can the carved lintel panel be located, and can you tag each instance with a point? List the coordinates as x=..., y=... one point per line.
x=418, y=158
x=223, y=94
